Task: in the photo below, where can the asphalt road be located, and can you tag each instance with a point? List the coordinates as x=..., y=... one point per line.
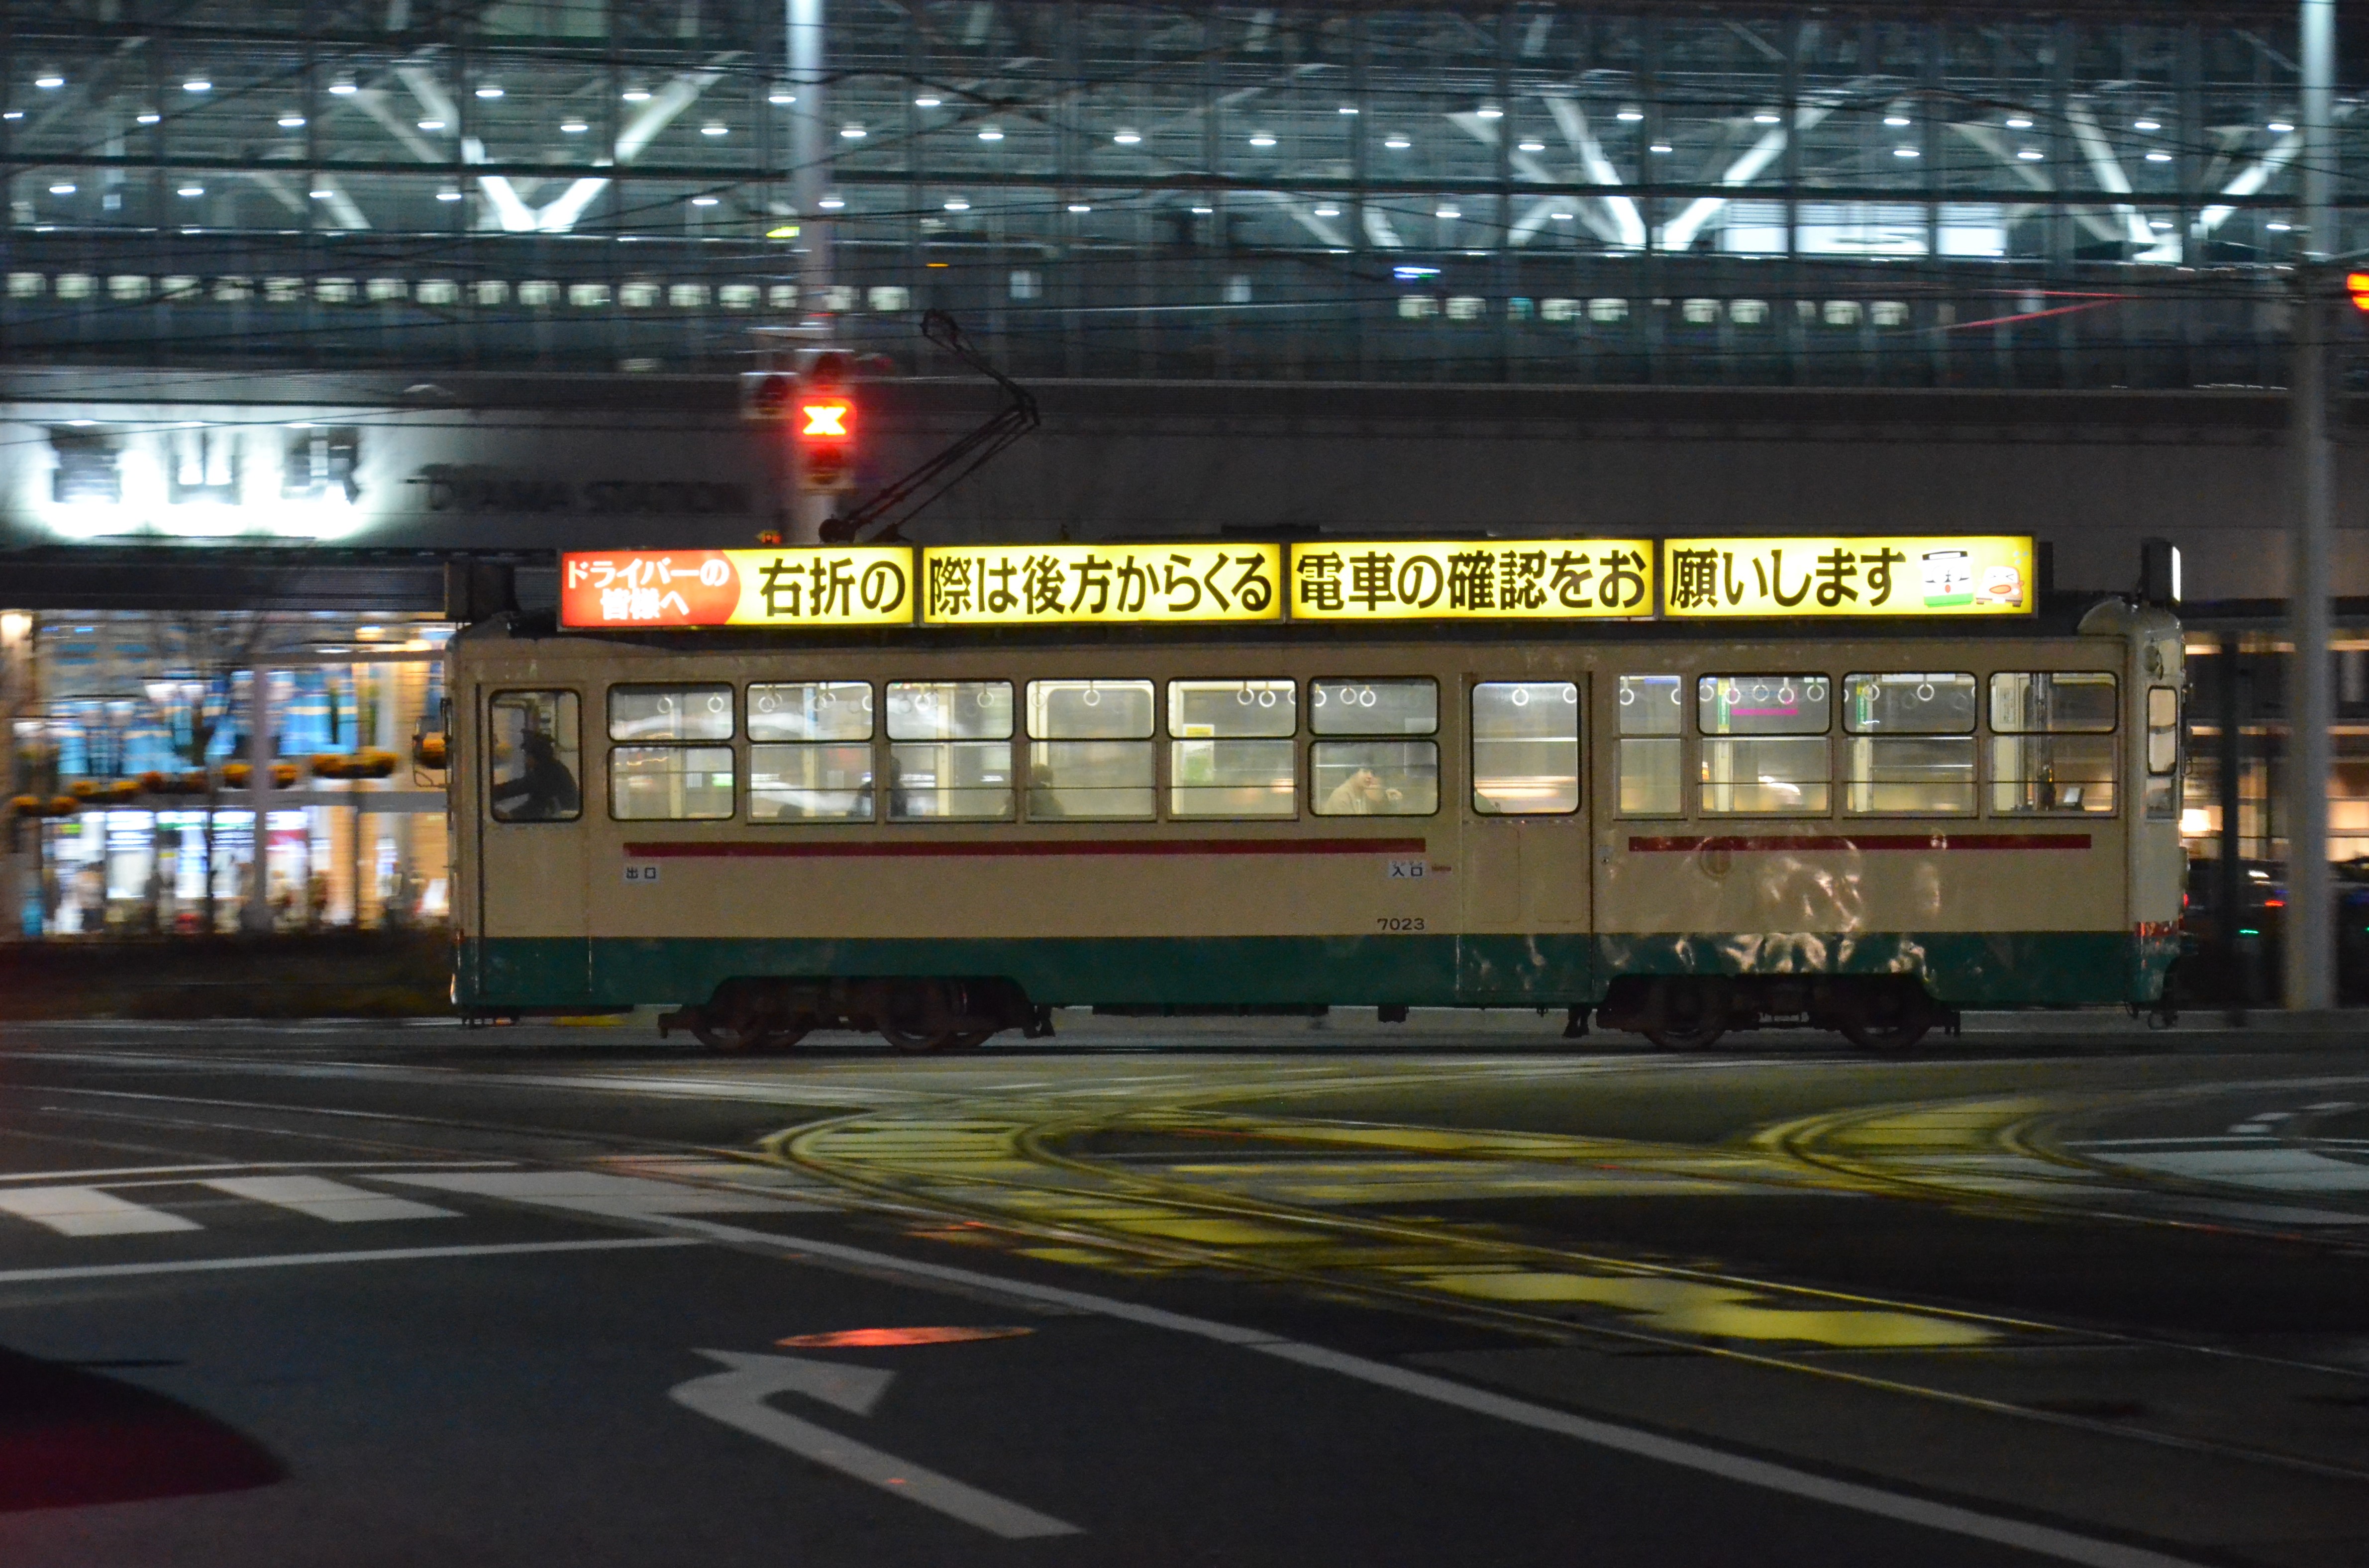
x=1232, y=1294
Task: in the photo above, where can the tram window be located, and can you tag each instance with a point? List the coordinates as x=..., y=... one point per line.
x=1525, y=747
x=670, y=713
x=2053, y=703
x=670, y=784
x=535, y=757
x=1090, y=749
x=1911, y=749
x=950, y=752
x=2162, y=750
x=810, y=710
x=1229, y=749
x=1373, y=707
x=1763, y=704
x=1374, y=778
x=2034, y=774
x=818, y=782
x=1652, y=768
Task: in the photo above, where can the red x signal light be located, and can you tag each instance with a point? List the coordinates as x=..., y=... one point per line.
x=2357, y=285
x=826, y=438
x=827, y=419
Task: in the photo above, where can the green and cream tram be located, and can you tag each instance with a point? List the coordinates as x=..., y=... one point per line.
x=941, y=827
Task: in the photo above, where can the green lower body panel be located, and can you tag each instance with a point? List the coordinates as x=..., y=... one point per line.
x=1964, y=969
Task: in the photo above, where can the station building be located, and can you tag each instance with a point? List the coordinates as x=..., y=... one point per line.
x=303, y=299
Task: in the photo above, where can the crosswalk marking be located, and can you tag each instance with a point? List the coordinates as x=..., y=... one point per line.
x=596, y=1191
x=86, y=1211
x=325, y=1199
x=2288, y=1170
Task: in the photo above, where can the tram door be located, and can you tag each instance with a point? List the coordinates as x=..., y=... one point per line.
x=1523, y=867
x=531, y=853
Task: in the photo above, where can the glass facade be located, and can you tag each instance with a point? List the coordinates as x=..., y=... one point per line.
x=1890, y=195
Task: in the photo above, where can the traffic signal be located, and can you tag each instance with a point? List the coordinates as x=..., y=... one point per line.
x=823, y=423
x=2357, y=285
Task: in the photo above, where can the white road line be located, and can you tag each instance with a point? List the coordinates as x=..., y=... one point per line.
x=86, y=1211
x=2042, y=1540
x=325, y=1199
x=376, y=1254
x=2285, y=1170
x=115, y=1171
x=597, y=1192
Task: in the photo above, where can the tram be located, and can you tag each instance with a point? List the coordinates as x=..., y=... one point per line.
x=938, y=832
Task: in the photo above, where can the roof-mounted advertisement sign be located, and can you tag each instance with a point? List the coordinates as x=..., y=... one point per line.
x=1902, y=575
x=832, y=585
x=1058, y=585
x=1488, y=579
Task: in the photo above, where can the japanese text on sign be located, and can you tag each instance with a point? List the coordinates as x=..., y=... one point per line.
x=1490, y=579
x=852, y=587
x=1989, y=575
x=1056, y=584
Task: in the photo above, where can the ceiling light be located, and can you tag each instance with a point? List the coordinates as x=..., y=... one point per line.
x=1489, y=111
x=2160, y=225
x=1766, y=117
x=49, y=81
x=779, y=97
x=1261, y=140
x=1661, y=147
x=291, y=122
x=1560, y=217
x=431, y=125
x=703, y=201
x=2281, y=127
x=2278, y=228
x=1203, y=212
x=1531, y=146
x=1328, y=212
x=344, y=87
x=1630, y=114
x=573, y=128
x=197, y=84
x=1080, y=207
x=145, y=116
x=784, y=231
x=2017, y=122
x=322, y=195
x=636, y=94
x=1906, y=153
x=928, y=100
x=1348, y=109
x=2146, y=125
x=991, y=135
x=448, y=194
x=1126, y=138
x=1896, y=121
x=716, y=129
x=2158, y=158
x=61, y=191
x=957, y=205
x=489, y=91
x=1397, y=143
x=192, y=191
x=1448, y=212
x=2031, y=154
x=852, y=132
x=831, y=203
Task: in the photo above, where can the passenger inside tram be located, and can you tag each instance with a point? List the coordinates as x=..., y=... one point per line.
x=1362, y=794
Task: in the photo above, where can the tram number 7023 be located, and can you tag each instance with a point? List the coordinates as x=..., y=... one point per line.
x=1398, y=923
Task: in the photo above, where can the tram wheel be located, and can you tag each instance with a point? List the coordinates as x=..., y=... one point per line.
x=1700, y=1038
x=780, y=1040
x=1690, y=1016
x=1895, y=1038
x=731, y=1037
x=910, y=1042
x=965, y=1039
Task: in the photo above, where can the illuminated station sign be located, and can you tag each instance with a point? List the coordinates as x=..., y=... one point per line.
x=1528, y=580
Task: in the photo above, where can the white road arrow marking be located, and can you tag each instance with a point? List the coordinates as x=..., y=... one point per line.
x=737, y=1396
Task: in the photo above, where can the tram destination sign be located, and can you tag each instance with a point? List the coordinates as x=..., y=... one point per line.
x=1483, y=579
x=1894, y=575
x=833, y=585
x=1058, y=585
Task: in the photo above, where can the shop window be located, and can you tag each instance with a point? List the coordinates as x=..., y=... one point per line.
x=533, y=757
x=1229, y=749
x=1651, y=764
x=1525, y=747
x=950, y=750
x=1091, y=751
x=1911, y=746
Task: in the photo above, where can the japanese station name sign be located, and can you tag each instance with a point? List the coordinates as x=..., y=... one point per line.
x=1494, y=579
x=1054, y=585
x=1377, y=580
x=853, y=586
x=1904, y=575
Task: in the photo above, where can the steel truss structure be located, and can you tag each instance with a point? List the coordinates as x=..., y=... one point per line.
x=2103, y=195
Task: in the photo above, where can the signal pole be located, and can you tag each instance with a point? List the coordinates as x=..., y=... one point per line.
x=810, y=147
x=2309, y=944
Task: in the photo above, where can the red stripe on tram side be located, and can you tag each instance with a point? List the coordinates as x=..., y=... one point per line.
x=1927, y=842
x=990, y=849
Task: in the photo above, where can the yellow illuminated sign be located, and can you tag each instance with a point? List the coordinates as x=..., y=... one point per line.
x=1492, y=580
x=1057, y=585
x=842, y=586
x=1902, y=575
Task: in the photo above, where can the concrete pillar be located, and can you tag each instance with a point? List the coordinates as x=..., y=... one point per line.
x=2310, y=978
x=255, y=911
